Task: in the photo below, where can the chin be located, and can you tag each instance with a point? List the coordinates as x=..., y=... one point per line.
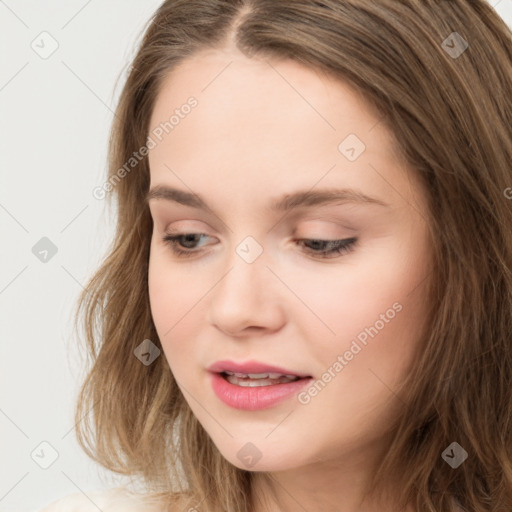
x=250, y=457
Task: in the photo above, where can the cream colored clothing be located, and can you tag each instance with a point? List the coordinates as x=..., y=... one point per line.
x=119, y=499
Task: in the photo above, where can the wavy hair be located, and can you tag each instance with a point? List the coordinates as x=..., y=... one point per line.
x=451, y=114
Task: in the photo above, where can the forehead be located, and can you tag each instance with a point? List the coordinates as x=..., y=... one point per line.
x=262, y=123
x=277, y=91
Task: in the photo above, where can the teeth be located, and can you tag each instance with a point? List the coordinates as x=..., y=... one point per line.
x=259, y=375
x=259, y=381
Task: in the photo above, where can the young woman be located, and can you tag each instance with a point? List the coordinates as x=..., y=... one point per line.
x=307, y=303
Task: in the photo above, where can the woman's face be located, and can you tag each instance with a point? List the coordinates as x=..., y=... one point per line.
x=264, y=145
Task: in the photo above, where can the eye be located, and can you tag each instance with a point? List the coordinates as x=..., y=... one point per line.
x=188, y=239
x=319, y=248
x=329, y=248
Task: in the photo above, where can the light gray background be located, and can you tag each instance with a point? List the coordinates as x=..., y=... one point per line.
x=56, y=114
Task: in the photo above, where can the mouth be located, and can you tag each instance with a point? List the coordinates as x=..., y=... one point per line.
x=254, y=371
x=253, y=385
x=253, y=380
x=252, y=392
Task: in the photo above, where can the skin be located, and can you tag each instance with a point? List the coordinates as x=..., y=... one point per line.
x=263, y=129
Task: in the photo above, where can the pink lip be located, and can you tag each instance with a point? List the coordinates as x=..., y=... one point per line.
x=255, y=398
x=251, y=367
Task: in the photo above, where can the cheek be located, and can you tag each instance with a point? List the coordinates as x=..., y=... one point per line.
x=373, y=309
x=176, y=308
x=168, y=296
x=377, y=331
x=172, y=288
x=159, y=289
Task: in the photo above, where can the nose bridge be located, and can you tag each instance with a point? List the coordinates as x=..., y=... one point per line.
x=245, y=296
x=247, y=271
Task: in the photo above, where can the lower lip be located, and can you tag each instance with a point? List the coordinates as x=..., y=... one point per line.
x=254, y=398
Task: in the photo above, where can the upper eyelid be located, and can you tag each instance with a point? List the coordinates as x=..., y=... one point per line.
x=293, y=216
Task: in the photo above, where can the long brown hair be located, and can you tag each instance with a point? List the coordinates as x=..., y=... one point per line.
x=440, y=75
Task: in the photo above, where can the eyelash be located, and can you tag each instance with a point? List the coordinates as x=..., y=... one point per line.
x=337, y=247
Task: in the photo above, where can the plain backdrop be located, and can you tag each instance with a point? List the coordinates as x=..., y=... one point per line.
x=63, y=66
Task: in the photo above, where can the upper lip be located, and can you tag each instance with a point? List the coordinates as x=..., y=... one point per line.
x=251, y=367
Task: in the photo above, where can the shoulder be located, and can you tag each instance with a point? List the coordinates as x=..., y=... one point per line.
x=119, y=499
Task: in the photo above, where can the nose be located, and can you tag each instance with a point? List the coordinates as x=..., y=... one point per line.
x=247, y=298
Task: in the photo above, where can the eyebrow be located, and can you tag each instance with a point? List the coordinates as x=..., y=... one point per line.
x=288, y=202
